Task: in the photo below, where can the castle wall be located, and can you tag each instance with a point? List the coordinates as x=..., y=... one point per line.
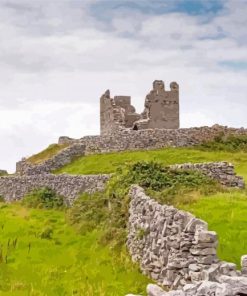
x=162, y=107
x=16, y=187
x=107, y=114
x=161, y=110
x=175, y=249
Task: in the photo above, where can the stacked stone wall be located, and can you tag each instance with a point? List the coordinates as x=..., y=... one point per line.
x=63, y=157
x=126, y=140
x=223, y=172
x=176, y=250
x=152, y=138
x=16, y=187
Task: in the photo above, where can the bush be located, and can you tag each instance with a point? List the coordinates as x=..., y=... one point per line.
x=44, y=198
x=109, y=210
x=88, y=212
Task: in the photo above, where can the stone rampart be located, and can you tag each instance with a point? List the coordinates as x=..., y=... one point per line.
x=175, y=249
x=16, y=187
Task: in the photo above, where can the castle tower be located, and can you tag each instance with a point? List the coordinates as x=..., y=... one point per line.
x=161, y=110
x=162, y=107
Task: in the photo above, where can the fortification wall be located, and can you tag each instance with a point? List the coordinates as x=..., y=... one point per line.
x=176, y=250
x=16, y=187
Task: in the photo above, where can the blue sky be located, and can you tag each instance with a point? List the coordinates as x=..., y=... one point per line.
x=58, y=57
x=158, y=7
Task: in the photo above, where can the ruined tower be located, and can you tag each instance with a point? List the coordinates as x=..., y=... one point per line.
x=161, y=110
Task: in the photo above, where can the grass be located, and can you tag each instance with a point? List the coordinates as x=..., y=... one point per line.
x=109, y=162
x=46, y=154
x=62, y=263
x=46, y=255
x=225, y=213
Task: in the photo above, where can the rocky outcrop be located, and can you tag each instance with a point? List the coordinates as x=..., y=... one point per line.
x=175, y=249
x=16, y=187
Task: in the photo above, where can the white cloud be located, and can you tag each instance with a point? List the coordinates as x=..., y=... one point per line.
x=56, y=59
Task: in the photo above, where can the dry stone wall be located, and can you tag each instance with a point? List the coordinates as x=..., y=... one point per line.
x=63, y=157
x=16, y=187
x=223, y=172
x=175, y=249
x=151, y=138
x=126, y=140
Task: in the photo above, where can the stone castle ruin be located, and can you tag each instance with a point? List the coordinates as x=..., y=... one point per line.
x=176, y=249
x=161, y=110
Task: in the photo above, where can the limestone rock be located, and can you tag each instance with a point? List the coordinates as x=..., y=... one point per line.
x=237, y=284
x=154, y=290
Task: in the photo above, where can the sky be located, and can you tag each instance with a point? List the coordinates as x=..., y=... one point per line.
x=58, y=56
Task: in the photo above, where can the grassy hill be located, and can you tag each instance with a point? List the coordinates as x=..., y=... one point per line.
x=60, y=252
x=225, y=212
x=109, y=162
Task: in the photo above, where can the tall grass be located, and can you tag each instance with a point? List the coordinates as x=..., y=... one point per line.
x=63, y=263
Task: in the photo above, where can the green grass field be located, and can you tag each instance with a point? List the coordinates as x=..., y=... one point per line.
x=225, y=213
x=51, y=258
x=109, y=162
x=61, y=262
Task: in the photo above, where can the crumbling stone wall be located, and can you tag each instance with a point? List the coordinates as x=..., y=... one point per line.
x=161, y=110
x=16, y=187
x=176, y=250
x=116, y=113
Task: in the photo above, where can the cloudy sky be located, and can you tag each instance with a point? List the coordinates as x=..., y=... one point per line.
x=58, y=56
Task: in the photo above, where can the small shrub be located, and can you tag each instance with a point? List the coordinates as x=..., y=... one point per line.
x=2, y=198
x=88, y=212
x=45, y=198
